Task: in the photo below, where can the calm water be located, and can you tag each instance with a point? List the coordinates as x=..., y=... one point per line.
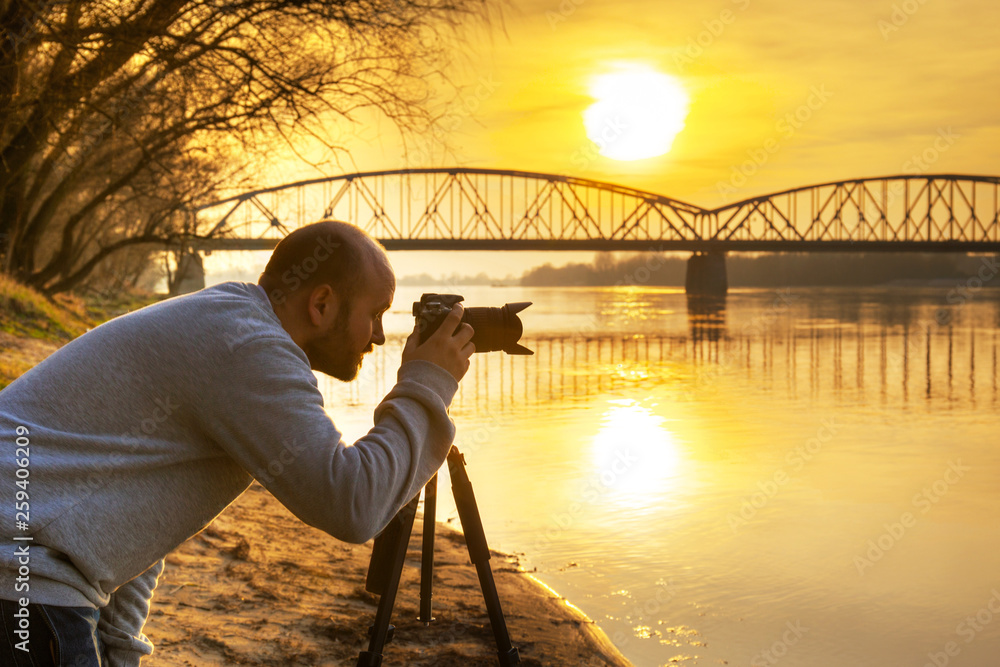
x=803, y=477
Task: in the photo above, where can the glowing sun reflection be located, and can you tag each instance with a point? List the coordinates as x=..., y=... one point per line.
x=635, y=457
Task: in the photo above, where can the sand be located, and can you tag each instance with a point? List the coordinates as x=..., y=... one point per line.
x=259, y=587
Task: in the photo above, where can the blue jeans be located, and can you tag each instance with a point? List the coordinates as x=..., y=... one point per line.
x=57, y=636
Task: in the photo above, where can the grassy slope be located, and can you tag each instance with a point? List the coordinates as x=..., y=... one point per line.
x=31, y=326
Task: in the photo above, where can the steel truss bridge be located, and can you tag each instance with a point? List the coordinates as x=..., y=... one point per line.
x=490, y=209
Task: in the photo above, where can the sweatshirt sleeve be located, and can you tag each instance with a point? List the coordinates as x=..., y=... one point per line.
x=265, y=410
x=122, y=619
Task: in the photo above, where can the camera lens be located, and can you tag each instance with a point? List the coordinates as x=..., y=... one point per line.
x=494, y=328
x=497, y=328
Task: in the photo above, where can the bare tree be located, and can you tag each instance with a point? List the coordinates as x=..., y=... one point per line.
x=116, y=116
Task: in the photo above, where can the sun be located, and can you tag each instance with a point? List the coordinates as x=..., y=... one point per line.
x=637, y=114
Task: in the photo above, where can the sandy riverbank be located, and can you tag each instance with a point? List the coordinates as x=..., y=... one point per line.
x=259, y=587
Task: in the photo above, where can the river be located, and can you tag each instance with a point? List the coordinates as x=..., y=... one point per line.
x=794, y=477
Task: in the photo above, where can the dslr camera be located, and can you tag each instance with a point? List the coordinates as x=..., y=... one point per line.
x=494, y=328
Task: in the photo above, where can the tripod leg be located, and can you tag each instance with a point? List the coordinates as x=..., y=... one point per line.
x=427, y=554
x=479, y=553
x=384, y=572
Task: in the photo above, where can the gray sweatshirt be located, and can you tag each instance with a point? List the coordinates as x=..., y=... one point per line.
x=141, y=431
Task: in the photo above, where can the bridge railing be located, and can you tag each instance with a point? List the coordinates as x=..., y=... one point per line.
x=483, y=208
x=459, y=204
x=900, y=209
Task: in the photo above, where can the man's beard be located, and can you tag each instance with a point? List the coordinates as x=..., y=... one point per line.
x=333, y=355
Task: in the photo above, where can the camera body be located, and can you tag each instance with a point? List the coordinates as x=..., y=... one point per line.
x=431, y=310
x=494, y=328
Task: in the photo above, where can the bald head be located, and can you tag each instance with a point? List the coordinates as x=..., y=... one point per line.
x=329, y=252
x=329, y=284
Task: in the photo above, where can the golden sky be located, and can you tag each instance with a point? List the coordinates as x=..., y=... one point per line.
x=782, y=93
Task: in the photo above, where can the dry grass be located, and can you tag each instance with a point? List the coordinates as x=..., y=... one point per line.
x=32, y=326
x=12, y=368
x=26, y=312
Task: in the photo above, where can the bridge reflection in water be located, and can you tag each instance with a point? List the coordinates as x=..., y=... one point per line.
x=850, y=361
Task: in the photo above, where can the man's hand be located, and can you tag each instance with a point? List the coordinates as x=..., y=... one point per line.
x=450, y=352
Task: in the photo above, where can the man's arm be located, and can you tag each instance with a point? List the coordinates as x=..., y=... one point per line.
x=262, y=406
x=122, y=619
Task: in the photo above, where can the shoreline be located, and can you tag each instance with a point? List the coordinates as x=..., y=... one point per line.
x=224, y=596
x=259, y=587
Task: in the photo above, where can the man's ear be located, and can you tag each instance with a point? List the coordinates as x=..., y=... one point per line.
x=322, y=306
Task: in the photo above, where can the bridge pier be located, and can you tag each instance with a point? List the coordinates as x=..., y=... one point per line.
x=706, y=274
x=190, y=274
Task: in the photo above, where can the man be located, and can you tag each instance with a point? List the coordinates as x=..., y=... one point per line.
x=131, y=438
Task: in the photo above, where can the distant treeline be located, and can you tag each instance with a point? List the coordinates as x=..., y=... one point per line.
x=455, y=279
x=770, y=270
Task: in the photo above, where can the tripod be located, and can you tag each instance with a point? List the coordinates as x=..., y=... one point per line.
x=389, y=552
